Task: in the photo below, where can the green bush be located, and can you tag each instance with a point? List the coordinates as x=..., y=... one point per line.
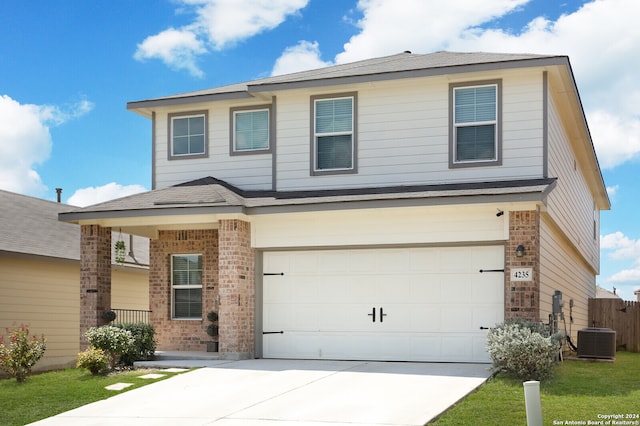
x=144, y=346
x=523, y=349
x=95, y=360
x=113, y=340
x=21, y=352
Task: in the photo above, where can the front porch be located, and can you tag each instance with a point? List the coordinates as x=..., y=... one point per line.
x=223, y=283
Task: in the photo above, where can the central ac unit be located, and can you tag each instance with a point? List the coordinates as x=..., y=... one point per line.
x=597, y=343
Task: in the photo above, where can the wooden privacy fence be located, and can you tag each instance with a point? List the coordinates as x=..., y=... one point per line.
x=621, y=316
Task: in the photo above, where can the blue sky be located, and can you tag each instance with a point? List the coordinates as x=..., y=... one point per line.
x=68, y=68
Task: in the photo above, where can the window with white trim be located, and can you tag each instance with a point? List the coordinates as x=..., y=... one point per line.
x=475, y=124
x=251, y=130
x=186, y=286
x=188, y=135
x=334, y=137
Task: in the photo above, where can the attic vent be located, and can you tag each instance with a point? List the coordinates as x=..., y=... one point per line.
x=597, y=343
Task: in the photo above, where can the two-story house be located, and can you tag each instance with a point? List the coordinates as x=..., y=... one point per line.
x=389, y=209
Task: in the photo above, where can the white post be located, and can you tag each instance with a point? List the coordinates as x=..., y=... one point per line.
x=532, y=403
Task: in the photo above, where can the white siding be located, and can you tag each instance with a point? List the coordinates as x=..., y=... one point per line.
x=402, y=137
x=571, y=204
x=418, y=225
x=249, y=172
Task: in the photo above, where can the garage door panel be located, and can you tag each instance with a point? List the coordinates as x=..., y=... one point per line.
x=458, y=288
x=487, y=316
x=426, y=347
x=426, y=288
x=457, y=348
x=484, y=290
x=456, y=319
x=424, y=260
x=435, y=301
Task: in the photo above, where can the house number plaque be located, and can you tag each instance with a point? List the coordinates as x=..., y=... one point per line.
x=521, y=274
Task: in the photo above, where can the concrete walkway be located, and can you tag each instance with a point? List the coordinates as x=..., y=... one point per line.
x=271, y=392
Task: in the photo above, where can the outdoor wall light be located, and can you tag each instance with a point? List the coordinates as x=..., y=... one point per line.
x=520, y=251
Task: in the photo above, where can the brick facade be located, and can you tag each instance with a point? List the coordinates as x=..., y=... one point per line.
x=95, y=277
x=227, y=287
x=184, y=335
x=237, y=291
x=522, y=298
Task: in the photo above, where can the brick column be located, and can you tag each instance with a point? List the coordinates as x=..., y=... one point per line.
x=95, y=277
x=522, y=298
x=236, y=278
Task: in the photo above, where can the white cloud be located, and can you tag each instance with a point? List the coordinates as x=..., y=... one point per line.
x=616, y=137
x=612, y=190
x=98, y=194
x=619, y=247
x=25, y=141
x=176, y=48
x=303, y=56
x=226, y=22
x=622, y=246
x=218, y=24
x=389, y=27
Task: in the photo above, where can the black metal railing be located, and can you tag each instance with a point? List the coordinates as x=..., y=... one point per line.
x=131, y=316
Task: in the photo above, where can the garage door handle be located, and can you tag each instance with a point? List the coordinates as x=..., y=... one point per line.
x=484, y=328
x=373, y=314
x=382, y=315
x=273, y=332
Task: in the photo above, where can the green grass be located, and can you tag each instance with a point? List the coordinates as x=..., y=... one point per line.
x=45, y=395
x=580, y=391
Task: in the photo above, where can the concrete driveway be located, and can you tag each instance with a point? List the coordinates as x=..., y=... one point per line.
x=288, y=392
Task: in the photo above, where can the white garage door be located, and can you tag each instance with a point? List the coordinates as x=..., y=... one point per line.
x=418, y=304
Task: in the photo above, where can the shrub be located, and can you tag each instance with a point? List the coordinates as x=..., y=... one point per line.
x=95, y=360
x=144, y=346
x=22, y=352
x=523, y=349
x=113, y=340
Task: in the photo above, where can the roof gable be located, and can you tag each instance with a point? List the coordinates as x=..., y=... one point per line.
x=403, y=65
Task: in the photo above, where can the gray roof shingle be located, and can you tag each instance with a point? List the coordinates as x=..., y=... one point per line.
x=30, y=226
x=404, y=64
x=216, y=196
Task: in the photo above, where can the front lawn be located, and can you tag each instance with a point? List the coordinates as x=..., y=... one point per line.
x=581, y=392
x=45, y=395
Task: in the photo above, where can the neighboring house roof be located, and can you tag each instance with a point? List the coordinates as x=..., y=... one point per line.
x=30, y=226
x=603, y=293
x=213, y=196
x=403, y=65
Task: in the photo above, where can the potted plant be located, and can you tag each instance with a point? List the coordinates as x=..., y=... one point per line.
x=120, y=250
x=212, y=330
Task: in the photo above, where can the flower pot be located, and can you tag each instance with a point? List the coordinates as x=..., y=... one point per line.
x=212, y=346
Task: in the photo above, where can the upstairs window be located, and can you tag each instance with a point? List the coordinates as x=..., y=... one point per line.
x=250, y=130
x=188, y=135
x=186, y=286
x=334, y=136
x=475, y=125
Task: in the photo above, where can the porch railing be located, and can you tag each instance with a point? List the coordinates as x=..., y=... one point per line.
x=131, y=316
